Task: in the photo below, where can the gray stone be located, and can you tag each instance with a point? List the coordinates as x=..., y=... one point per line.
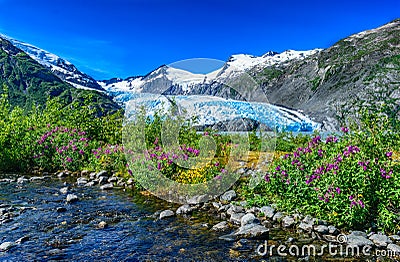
x=112, y=179
x=236, y=218
x=22, y=180
x=228, y=195
x=221, y=226
x=380, y=240
x=252, y=231
x=72, y=198
x=166, y=213
x=197, y=199
x=130, y=182
x=234, y=209
x=92, y=175
x=309, y=220
x=107, y=186
x=358, y=240
x=64, y=190
x=288, y=221
x=395, y=248
x=216, y=205
x=6, y=246
x=358, y=233
x=277, y=217
x=333, y=230
x=37, y=178
x=254, y=210
x=223, y=208
x=91, y=183
x=395, y=237
x=85, y=172
x=185, y=209
x=102, y=225
x=268, y=211
x=81, y=181
x=306, y=226
x=321, y=229
x=102, y=173
x=62, y=174
x=102, y=180
x=249, y=218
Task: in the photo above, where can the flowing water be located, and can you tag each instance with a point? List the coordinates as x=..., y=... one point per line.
x=134, y=233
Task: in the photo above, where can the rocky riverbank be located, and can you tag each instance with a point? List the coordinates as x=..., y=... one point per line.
x=233, y=221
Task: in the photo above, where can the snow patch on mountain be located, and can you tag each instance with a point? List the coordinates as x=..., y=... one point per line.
x=59, y=66
x=186, y=80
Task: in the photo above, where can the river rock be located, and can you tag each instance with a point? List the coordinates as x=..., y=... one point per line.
x=112, y=179
x=321, y=229
x=130, y=182
x=249, y=218
x=6, y=246
x=234, y=209
x=228, y=195
x=91, y=183
x=62, y=174
x=395, y=237
x=236, y=218
x=380, y=240
x=288, y=221
x=333, y=230
x=185, y=209
x=166, y=213
x=268, y=211
x=223, y=208
x=252, y=231
x=22, y=180
x=72, y=198
x=102, y=225
x=221, y=226
x=356, y=239
x=101, y=180
x=81, y=181
x=277, y=217
x=64, y=190
x=393, y=247
x=85, y=172
x=102, y=173
x=37, y=178
x=197, y=199
x=107, y=186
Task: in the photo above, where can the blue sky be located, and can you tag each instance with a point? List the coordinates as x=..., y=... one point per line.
x=121, y=38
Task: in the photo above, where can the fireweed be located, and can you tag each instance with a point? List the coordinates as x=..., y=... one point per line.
x=338, y=179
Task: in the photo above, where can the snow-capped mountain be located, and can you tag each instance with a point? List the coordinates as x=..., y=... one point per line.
x=167, y=79
x=65, y=70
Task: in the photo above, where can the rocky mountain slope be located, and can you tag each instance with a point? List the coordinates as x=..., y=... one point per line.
x=320, y=84
x=31, y=84
x=65, y=70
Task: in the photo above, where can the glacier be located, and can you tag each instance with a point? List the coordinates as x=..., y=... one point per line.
x=210, y=110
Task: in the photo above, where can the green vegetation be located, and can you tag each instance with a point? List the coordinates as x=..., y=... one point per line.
x=315, y=83
x=351, y=180
x=56, y=136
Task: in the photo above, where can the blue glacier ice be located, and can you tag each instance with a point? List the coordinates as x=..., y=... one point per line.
x=211, y=109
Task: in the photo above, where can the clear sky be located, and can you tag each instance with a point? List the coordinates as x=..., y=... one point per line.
x=121, y=38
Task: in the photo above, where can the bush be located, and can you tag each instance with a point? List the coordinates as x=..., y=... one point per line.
x=351, y=180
